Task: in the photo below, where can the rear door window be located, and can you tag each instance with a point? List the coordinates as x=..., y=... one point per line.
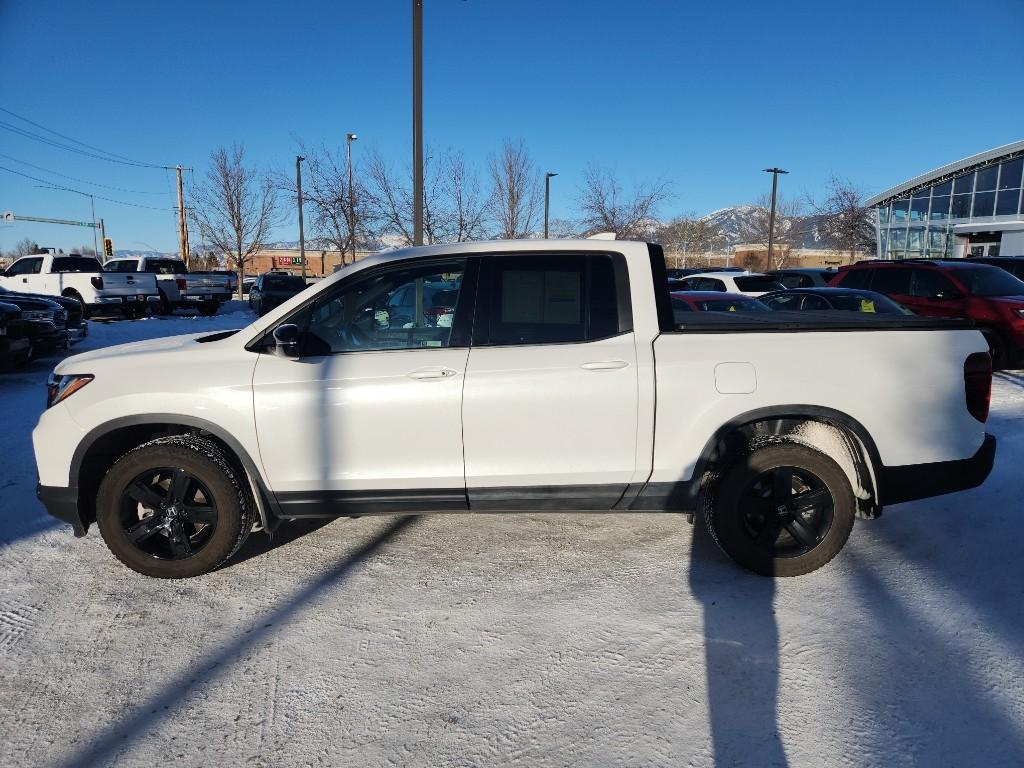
x=855, y=278
x=930, y=284
x=793, y=280
x=553, y=299
x=893, y=280
x=76, y=264
x=758, y=284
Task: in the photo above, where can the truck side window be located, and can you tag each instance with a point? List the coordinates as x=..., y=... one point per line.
x=552, y=299
x=929, y=284
x=404, y=307
x=891, y=280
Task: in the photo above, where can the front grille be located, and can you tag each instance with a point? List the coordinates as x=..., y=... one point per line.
x=37, y=315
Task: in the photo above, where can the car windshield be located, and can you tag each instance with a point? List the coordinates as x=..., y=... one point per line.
x=990, y=281
x=874, y=303
x=76, y=264
x=755, y=283
x=283, y=283
x=732, y=305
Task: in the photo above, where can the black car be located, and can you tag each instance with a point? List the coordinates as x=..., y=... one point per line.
x=1012, y=264
x=15, y=347
x=827, y=299
x=804, y=277
x=45, y=321
x=77, y=327
x=272, y=289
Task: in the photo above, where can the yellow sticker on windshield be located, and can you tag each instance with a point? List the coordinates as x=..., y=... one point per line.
x=732, y=307
x=867, y=305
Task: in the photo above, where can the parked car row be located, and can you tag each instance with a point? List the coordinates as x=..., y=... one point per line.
x=988, y=291
x=34, y=324
x=178, y=288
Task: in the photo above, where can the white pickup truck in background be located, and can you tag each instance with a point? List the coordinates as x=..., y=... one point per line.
x=511, y=376
x=178, y=287
x=82, y=278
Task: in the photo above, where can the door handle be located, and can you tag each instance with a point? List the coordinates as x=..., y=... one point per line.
x=431, y=373
x=604, y=365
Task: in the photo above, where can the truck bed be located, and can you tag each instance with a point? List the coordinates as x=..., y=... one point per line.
x=804, y=322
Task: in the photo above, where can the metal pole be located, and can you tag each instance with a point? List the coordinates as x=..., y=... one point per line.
x=547, y=199
x=771, y=215
x=302, y=231
x=103, y=234
x=92, y=202
x=349, y=138
x=417, y=122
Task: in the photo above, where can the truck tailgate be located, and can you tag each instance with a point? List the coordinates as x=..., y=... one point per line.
x=128, y=284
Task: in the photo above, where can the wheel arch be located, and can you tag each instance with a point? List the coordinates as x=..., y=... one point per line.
x=103, y=445
x=832, y=432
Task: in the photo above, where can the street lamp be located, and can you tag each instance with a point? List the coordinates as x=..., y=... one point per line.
x=547, y=199
x=349, y=138
x=771, y=215
x=302, y=232
x=417, y=122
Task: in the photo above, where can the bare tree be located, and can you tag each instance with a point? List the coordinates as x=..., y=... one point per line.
x=453, y=206
x=235, y=207
x=338, y=217
x=86, y=250
x=25, y=247
x=789, y=231
x=605, y=207
x=515, y=197
x=846, y=221
x=687, y=236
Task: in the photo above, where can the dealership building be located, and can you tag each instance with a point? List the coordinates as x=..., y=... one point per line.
x=972, y=207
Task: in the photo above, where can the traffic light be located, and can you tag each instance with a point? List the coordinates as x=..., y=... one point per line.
x=108, y=247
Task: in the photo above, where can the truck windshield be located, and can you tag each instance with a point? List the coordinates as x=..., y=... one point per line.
x=75, y=264
x=166, y=267
x=990, y=281
x=283, y=283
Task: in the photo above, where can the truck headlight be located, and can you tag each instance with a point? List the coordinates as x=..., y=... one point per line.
x=60, y=388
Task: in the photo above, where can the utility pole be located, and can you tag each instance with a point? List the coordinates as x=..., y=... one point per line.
x=182, y=231
x=302, y=231
x=771, y=215
x=349, y=138
x=547, y=199
x=92, y=202
x=417, y=122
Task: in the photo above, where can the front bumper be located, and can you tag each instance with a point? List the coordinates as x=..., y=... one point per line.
x=921, y=481
x=62, y=503
x=14, y=350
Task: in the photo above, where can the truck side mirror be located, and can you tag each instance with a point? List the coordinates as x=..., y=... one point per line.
x=286, y=341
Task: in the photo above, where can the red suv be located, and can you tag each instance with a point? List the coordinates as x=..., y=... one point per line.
x=990, y=296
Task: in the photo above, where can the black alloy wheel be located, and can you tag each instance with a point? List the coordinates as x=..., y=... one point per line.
x=168, y=513
x=787, y=511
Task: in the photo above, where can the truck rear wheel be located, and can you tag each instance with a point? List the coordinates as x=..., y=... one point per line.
x=782, y=510
x=174, y=507
x=208, y=310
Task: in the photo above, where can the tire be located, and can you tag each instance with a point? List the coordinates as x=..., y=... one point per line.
x=757, y=517
x=77, y=297
x=164, y=308
x=996, y=348
x=208, y=310
x=178, y=535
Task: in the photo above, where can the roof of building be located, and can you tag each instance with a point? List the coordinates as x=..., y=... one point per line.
x=982, y=158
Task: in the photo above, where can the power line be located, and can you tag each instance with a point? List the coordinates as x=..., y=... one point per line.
x=51, y=185
x=82, y=181
x=67, y=147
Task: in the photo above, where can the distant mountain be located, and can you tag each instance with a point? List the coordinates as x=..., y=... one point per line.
x=733, y=222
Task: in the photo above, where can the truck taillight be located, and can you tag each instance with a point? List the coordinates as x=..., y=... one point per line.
x=97, y=281
x=978, y=384
x=181, y=283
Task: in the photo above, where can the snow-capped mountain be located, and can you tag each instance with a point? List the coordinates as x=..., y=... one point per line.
x=735, y=224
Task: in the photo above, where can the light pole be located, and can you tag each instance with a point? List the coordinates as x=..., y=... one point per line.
x=349, y=138
x=771, y=215
x=302, y=231
x=417, y=122
x=547, y=199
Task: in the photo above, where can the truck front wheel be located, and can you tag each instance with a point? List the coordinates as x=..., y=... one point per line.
x=174, y=507
x=782, y=510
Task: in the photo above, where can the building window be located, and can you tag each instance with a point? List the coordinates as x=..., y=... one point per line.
x=919, y=207
x=1006, y=202
x=945, y=188
x=940, y=208
x=984, y=204
x=964, y=185
x=987, y=179
x=899, y=209
x=1009, y=176
x=961, y=207
x=883, y=214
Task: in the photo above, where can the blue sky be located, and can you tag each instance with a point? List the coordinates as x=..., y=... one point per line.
x=704, y=95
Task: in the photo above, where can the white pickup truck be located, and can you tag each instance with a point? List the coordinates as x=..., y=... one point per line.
x=514, y=376
x=82, y=278
x=178, y=287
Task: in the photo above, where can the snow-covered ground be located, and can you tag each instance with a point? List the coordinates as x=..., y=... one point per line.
x=531, y=640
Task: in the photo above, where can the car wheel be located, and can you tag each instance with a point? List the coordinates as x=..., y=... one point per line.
x=174, y=507
x=164, y=308
x=77, y=297
x=207, y=310
x=996, y=348
x=783, y=510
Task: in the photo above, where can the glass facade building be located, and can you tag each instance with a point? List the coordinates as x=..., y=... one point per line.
x=971, y=207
